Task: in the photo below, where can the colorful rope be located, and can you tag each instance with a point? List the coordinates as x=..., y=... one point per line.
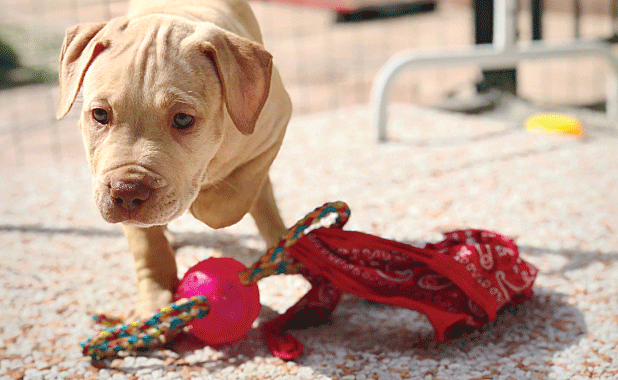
x=152, y=332
x=276, y=260
x=145, y=333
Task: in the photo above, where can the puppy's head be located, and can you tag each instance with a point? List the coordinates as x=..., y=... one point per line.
x=159, y=97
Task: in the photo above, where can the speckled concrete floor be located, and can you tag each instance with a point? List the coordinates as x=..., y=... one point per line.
x=558, y=197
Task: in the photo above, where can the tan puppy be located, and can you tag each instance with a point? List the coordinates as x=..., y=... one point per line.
x=182, y=109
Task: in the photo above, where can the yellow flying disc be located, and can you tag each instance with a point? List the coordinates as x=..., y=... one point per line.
x=555, y=123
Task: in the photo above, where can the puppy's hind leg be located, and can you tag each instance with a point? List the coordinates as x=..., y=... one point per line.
x=266, y=215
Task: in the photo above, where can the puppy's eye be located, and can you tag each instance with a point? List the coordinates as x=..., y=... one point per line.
x=100, y=115
x=183, y=121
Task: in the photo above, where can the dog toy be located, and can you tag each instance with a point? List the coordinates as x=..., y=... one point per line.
x=233, y=306
x=145, y=333
x=555, y=123
x=462, y=282
x=210, y=302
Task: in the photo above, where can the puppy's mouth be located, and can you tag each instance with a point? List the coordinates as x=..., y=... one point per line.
x=135, y=195
x=154, y=211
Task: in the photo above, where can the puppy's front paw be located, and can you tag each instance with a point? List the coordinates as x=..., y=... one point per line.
x=151, y=298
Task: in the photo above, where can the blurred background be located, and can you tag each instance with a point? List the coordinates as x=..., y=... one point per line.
x=328, y=52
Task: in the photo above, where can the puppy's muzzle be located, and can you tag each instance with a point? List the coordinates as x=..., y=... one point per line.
x=129, y=194
x=132, y=193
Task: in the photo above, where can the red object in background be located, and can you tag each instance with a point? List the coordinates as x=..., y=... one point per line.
x=367, y=9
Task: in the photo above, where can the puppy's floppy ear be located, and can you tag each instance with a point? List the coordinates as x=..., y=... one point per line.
x=244, y=69
x=77, y=54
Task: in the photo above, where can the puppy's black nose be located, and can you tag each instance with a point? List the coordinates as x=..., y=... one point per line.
x=128, y=194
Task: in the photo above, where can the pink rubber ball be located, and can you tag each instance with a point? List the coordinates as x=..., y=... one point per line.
x=233, y=306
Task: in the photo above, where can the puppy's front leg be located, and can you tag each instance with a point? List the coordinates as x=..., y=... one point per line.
x=266, y=215
x=155, y=267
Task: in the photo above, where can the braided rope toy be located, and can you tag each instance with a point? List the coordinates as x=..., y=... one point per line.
x=459, y=283
x=146, y=333
x=277, y=261
x=167, y=322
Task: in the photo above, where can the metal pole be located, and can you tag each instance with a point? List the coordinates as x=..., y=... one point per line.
x=486, y=57
x=505, y=12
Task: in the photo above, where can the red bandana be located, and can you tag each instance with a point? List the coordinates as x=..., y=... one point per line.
x=462, y=281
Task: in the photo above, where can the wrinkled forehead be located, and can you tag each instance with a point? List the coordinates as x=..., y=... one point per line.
x=158, y=36
x=152, y=58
